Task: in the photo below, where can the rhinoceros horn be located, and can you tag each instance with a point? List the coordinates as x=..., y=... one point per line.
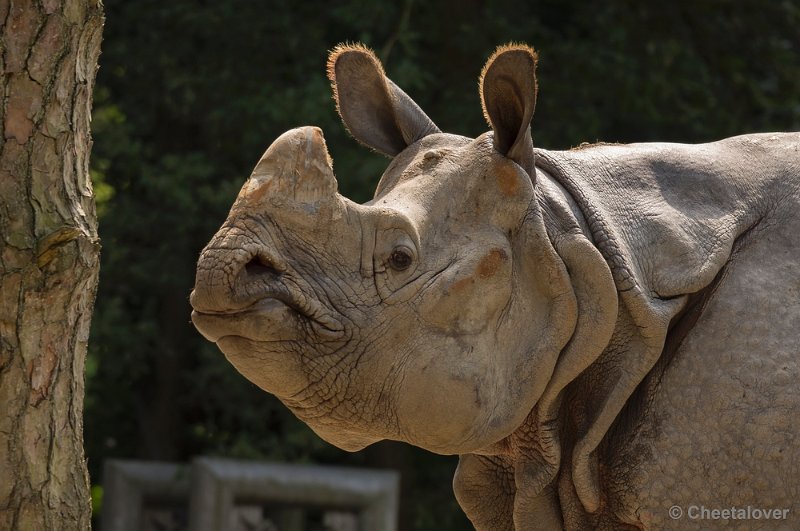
x=295, y=174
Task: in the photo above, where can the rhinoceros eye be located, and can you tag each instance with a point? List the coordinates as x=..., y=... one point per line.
x=400, y=259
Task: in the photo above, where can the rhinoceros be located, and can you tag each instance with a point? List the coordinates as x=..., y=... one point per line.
x=606, y=336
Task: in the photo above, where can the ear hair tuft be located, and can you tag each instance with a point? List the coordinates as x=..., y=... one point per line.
x=375, y=111
x=521, y=51
x=341, y=50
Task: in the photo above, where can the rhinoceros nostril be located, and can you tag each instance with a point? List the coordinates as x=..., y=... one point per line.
x=260, y=266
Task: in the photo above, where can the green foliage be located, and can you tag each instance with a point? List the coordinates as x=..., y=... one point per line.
x=190, y=93
x=97, y=498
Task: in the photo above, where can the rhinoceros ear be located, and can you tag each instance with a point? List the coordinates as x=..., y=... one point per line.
x=375, y=110
x=508, y=95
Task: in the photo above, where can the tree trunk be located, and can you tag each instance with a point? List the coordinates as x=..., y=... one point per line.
x=49, y=258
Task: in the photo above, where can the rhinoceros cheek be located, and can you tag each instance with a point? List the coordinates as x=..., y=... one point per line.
x=462, y=304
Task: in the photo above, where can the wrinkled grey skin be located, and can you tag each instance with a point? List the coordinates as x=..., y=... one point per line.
x=600, y=334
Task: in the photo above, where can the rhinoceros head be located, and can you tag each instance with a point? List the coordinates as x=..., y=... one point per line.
x=433, y=314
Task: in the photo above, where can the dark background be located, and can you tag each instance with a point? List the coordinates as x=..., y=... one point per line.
x=190, y=93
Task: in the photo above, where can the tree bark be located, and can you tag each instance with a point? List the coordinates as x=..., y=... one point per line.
x=49, y=258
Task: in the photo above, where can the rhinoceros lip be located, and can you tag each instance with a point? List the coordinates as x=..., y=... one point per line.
x=244, y=322
x=250, y=323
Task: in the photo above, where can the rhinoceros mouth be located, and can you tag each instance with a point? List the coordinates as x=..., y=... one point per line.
x=277, y=314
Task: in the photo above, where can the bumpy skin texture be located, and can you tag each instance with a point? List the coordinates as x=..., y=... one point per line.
x=713, y=228
x=600, y=334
